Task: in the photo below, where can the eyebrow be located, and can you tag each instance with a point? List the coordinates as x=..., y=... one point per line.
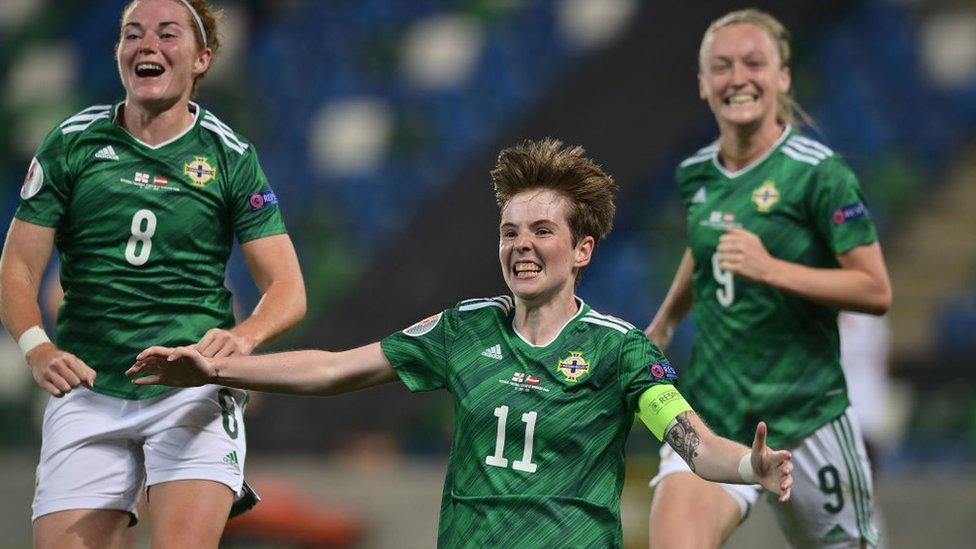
x=533, y=224
x=163, y=24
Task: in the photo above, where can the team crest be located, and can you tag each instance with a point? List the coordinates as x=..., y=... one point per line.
x=199, y=171
x=574, y=366
x=765, y=196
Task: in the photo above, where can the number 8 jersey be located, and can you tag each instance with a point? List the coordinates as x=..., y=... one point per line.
x=537, y=458
x=144, y=233
x=761, y=353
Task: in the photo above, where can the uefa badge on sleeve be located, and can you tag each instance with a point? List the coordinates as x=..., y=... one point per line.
x=663, y=370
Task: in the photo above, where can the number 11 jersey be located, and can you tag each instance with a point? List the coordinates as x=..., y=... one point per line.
x=144, y=233
x=537, y=458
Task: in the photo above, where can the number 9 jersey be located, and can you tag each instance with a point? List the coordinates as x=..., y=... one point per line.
x=144, y=233
x=537, y=458
x=761, y=353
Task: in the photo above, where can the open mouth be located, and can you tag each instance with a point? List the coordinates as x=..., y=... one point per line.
x=149, y=70
x=741, y=99
x=526, y=269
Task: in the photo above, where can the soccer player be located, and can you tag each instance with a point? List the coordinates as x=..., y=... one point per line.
x=779, y=240
x=545, y=388
x=143, y=199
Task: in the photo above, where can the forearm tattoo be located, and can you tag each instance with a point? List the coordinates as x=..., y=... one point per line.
x=685, y=440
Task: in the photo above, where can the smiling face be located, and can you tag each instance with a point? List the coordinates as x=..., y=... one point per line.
x=741, y=76
x=158, y=53
x=538, y=258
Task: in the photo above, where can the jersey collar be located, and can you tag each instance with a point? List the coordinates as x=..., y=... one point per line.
x=196, y=118
x=732, y=175
x=583, y=308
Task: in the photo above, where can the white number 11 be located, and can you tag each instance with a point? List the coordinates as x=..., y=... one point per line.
x=525, y=464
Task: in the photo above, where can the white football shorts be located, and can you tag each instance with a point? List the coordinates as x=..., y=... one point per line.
x=831, y=504
x=98, y=451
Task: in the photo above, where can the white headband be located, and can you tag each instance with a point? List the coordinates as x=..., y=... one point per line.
x=196, y=17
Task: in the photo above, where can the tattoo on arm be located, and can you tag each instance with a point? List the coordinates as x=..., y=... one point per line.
x=685, y=440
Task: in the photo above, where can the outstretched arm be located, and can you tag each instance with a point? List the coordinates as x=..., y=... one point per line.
x=297, y=372
x=675, y=306
x=721, y=460
x=671, y=419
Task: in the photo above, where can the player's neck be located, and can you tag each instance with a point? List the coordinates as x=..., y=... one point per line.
x=740, y=146
x=155, y=126
x=539, y=322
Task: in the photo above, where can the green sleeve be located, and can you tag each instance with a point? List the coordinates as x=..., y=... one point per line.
x=254, y=205
x=838, y=209
x=419, y=354
x=47, y=188
x=642, y=365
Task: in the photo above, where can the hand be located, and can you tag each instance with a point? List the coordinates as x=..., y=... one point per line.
x=742, y=252
x=179, y=367
x=773, y=468
x=57, y=371
x=218, y=343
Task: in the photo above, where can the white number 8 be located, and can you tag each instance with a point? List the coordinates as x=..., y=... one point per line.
x=725, y=293
x=141, y=235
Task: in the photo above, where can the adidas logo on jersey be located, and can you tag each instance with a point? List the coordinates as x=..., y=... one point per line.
x=231, y=459
x=699, y=196
x=107, y=153
x=494, y=352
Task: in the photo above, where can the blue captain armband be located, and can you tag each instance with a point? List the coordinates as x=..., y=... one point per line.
x=659, y=406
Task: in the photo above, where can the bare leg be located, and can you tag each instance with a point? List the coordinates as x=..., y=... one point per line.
x=81, y=528
x=691, y=513
x=188, y=513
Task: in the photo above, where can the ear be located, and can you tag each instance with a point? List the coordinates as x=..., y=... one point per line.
x=701, y=87
x=202, y=62
x=785, y=80
x=584, y=252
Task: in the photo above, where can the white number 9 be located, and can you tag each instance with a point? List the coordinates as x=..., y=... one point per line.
x=726, y=292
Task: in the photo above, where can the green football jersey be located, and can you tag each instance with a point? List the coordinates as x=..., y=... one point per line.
x=761, y=353
x=144, y=233
x=537, y=458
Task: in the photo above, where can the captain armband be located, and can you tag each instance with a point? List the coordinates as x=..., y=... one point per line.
x=659, y=406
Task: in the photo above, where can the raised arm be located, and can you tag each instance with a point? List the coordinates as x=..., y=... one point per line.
x=25, y=255
x=675, y=306
x=297, y=372
x=671, y=419
x=721, y=460
x=860, y=284
x=274, y=267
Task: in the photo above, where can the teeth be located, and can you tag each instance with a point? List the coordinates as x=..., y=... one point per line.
x=149, y=69
x=740, y=99
x=526, y=269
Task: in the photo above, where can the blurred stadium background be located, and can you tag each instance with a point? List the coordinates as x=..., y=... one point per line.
x=377, y=122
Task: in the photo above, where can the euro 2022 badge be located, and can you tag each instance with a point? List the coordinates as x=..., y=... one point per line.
x=765, y=196
x=199, y=171
x=573, y=367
